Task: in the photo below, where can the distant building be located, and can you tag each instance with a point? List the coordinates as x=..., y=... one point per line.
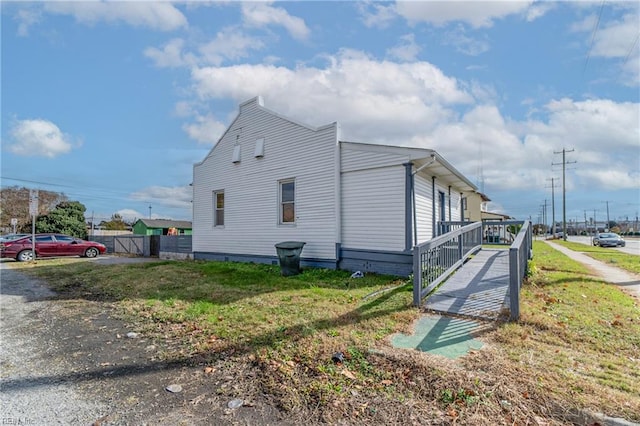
x=162, y=227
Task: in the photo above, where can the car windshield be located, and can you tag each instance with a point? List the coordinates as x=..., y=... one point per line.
x=608, y=235
x=10, y=237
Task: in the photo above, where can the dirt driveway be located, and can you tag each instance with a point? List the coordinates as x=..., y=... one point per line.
x=69, y=362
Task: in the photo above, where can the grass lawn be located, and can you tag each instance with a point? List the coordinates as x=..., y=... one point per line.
x=629, y=262
x=576, y=347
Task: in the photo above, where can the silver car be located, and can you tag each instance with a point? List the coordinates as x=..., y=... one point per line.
x=608, y=239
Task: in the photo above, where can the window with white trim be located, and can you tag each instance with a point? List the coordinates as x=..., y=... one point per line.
x=287, y=201
x=218, y=208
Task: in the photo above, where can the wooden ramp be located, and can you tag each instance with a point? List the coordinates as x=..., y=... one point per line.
x=479, y=289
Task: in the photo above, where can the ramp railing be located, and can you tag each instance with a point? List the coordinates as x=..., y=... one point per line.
x=436, y=259
x=519, y=254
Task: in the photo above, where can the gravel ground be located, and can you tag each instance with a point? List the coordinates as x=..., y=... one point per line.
x=33, y=389
x=72, y=362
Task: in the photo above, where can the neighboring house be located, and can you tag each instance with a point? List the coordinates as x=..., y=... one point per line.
x=474, y=205
x=162, y=227
x=357, y=206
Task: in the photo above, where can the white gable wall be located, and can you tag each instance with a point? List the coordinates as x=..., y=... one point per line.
x=251, y=187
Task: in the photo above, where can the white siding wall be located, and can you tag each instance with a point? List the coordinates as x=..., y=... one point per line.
x=251, y=187
x=423, y=200
x=424, y=205
x=373, y=200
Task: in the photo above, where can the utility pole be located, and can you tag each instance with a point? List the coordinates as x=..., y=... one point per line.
x=545, y=217
x=564, y=189
x=606, y=228
x=553, y=208
x=149, y=212
x=595, y=222
x=586, y=227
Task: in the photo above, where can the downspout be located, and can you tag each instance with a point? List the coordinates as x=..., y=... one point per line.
x=409, y=195
x=413, y=194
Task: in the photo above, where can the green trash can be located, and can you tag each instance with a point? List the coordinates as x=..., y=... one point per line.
x=289, y=256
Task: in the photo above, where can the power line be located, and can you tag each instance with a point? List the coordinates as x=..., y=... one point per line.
x=631, y=50
x=593, y=37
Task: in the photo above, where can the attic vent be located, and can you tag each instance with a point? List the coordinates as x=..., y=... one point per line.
x=236, y=154
x=259, y=153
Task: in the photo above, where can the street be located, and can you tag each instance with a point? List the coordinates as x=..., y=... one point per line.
x=632, y=247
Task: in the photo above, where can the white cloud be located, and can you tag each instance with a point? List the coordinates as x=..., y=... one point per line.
x=162, y=16
x=170, y=56
x=229, y=43
x=374, y=98
x=39, y=138
x=26, y=18
x=518, y=155
x=130, y=215
x=458, y=38
x=407, y=50
x=374, y=14
x=166, y=196
x=262, y=14
x=206, y=129
x=539, y=9
x=615, y=39
x=475, y=13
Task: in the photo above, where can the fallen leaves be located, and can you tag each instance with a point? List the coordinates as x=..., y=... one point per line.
x=348, y=374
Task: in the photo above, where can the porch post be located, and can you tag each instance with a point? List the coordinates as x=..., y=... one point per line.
x=433, y=207
x=408, y=206
x=449, y=203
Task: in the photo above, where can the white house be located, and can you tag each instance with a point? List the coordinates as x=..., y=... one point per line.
x=357, y=206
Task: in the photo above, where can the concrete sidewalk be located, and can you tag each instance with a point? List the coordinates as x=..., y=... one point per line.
x=625, y=280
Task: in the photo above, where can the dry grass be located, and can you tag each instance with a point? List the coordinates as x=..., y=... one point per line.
x=576, y=348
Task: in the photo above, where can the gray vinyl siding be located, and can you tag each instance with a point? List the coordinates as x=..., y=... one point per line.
x=373, y=203
x=251, y=224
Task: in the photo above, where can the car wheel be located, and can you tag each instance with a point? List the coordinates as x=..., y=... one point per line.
x=24, y=256
x=91, y=252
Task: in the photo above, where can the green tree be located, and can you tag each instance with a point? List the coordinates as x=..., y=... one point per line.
x=66, y=218
x=115, y=224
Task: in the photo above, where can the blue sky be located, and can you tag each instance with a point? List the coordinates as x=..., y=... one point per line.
x=113, y=102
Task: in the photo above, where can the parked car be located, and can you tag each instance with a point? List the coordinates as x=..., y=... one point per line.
x=608, y=239
x=50, y=245
x=11, y=237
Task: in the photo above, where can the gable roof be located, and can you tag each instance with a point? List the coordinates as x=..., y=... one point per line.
x=166, y=223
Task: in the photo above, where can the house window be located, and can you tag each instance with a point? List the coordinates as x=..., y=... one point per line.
x=287, y=201
x=218, y=208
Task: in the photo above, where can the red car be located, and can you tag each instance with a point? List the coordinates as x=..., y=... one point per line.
x=50, y=245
